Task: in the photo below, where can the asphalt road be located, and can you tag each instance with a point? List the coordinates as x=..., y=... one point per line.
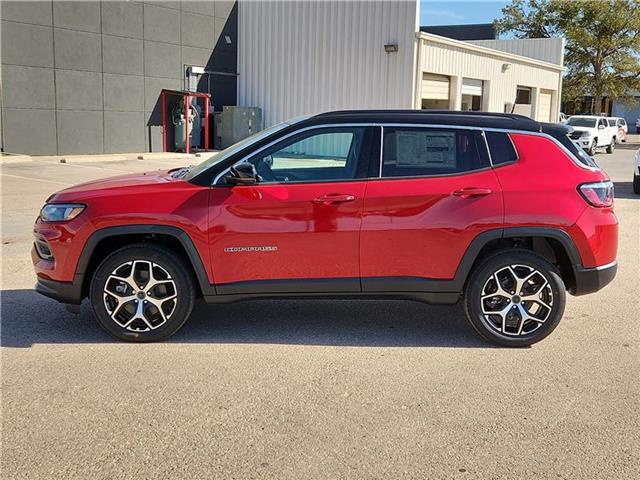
x=313, y=389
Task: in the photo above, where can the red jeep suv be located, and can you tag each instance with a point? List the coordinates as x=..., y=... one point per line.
x=498, y=209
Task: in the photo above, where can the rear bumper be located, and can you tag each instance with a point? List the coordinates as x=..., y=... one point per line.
x=589, y=280
x=64, y=292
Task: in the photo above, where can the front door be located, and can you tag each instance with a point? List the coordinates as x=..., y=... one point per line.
x=437, y=192
x=296, y=230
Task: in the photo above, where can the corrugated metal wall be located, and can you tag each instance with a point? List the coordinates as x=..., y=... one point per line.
x=546, y=49
x=297, y=58
x=629, y=110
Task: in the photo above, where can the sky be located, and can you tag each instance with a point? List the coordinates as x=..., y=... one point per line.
x=454, y=12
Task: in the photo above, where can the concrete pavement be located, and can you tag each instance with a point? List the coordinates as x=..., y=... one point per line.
x=313, y=389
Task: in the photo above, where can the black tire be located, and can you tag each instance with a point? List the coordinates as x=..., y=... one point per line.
x=636, y=184
x=612, y=146
x=593, y=147
x=531, y=331
x=174, y=280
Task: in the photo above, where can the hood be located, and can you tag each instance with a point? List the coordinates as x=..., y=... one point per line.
x=127, y=183
x=582, y=129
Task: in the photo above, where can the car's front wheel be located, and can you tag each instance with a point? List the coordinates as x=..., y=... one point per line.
x=592, y=148
x=142, y=293
x=515, y=298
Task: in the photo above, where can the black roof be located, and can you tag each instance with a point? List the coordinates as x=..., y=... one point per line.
x=431, y=117
x=475, y=31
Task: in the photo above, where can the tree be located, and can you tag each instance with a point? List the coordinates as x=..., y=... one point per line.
x=602, y=52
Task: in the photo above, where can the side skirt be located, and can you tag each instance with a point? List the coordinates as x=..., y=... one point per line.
x=425, y=297
x=424, y=290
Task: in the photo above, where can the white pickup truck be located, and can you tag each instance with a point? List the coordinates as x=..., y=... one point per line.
x=591, y=132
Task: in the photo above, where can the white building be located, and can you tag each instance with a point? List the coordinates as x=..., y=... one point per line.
x=297, y=58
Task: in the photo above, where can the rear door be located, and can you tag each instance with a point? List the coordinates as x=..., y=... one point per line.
x=605, y=132
x=437, y=192
x=297, y=230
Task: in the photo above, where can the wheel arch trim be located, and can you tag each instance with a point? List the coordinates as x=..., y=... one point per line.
x=180, y=235
x=479, y=242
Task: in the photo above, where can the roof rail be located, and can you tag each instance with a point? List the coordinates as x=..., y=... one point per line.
x=484, y=119
x=511, y=116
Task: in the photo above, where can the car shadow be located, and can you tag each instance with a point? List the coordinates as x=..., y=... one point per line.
x=627, y=146
x=29, y=319
x=625, y=190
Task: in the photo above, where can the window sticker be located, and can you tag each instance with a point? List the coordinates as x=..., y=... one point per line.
x=426, y=149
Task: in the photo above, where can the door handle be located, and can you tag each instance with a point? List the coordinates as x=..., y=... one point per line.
x=334, y=198
x=471, y=192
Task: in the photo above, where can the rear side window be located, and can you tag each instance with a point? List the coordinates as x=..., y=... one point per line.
x=578, y=153
x=418, y=152
x=501, y=148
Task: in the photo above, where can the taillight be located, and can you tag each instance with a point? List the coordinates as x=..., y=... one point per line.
x=599, y=194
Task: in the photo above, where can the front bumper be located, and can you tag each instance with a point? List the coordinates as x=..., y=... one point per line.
x=589, y=280
x=64, y=292
x=583, y=142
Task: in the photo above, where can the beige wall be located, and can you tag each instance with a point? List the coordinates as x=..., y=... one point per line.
x=459, y=60
x=297, y=58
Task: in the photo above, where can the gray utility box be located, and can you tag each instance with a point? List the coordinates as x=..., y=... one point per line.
x=234, y=124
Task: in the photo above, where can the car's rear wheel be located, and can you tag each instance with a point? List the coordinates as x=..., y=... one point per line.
x=515, y=298
x=142, y=293
x=612, y=146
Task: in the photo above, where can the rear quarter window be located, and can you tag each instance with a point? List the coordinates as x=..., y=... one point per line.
x=501, y=148
x=578, y=153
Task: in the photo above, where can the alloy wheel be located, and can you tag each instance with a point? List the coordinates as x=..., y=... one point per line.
x=140, y=295
x=516, y=300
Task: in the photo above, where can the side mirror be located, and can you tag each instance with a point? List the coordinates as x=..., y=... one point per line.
x=243, y=173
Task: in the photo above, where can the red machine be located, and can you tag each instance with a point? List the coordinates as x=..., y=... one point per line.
x=186, y=98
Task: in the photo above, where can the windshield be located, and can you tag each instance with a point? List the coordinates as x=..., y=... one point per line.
x=236, y=147
x=582, y=122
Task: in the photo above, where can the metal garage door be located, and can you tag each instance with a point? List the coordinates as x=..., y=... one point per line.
x=471, y=86
x=435, y=87
x=544, y=106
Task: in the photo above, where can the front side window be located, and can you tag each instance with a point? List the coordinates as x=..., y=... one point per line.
x=313, y=156
x=415, y=152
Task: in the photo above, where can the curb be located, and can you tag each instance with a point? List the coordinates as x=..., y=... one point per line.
x=8, y=158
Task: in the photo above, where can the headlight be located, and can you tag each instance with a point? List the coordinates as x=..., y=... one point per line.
x=60, y=212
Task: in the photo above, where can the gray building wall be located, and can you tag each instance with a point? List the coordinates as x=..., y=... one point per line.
x=83, y=77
